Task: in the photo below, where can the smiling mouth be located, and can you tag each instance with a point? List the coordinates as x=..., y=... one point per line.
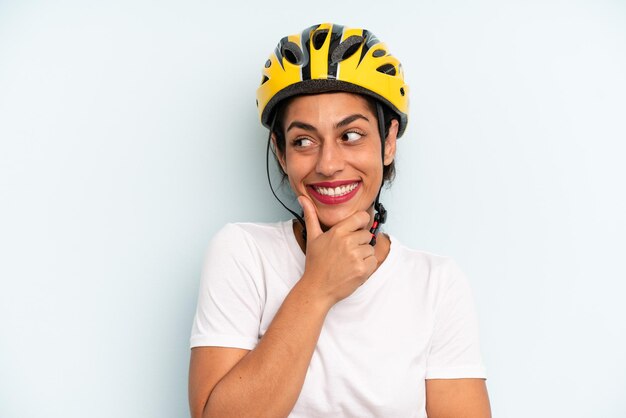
x=336, y=191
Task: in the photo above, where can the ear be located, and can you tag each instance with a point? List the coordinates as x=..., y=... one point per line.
x=390, y=142
x=281, y=157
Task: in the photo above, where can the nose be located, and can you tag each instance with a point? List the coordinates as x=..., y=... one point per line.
x=330, y=159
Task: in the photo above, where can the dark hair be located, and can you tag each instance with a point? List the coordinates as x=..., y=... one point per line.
x=389, y=171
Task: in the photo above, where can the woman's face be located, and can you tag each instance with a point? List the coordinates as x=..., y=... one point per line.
x=333, y=154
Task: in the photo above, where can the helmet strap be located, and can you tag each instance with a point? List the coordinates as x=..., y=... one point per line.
x=380, y=217
x=269, y=178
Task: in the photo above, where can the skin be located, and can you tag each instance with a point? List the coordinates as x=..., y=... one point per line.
x=321, y=146
x=329, y=137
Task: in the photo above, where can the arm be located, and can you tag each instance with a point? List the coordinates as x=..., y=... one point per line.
x=457, y=398
x=455, y=384
x=206, y=367
x=228, y=382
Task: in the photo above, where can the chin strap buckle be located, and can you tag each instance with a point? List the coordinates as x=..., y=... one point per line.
x=379, y=218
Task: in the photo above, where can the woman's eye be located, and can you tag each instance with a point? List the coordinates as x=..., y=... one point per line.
x=352, y=136
x=302, y=142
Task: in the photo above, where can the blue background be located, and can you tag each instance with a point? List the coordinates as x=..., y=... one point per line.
x=129, y=135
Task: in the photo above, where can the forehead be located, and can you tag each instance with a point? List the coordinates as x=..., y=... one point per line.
x=327, y=106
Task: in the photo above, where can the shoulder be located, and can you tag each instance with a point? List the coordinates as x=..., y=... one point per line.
x=251, y=240
x=242, y=247
x=251, y=232
x=435, y=274
x=435, y=265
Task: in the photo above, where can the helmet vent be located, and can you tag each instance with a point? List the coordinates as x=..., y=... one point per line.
x=379, y=53
x=268, y=64
x=319, y=37
x=387, y=69
x=346, y=49
x=292, y=53
x=265, y=78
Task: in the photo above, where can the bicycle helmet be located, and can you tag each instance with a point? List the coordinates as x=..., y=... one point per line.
x=330, y=57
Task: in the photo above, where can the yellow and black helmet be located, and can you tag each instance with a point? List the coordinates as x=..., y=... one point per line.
x=330, y=57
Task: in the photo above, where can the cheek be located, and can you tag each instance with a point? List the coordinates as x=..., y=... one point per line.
x=378, y=176
x=372, y=165
x=294, y=172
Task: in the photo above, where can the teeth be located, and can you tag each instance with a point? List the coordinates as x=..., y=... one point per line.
x=337, y=191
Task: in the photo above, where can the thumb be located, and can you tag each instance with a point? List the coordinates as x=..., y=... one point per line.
x=313, y=228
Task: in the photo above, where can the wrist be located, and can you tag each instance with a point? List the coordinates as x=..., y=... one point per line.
x=309, y=293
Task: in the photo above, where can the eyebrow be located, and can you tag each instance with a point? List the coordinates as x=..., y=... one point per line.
x=346, y=121
x=350, y=119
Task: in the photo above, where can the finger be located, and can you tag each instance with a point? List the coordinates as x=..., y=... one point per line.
x=367, y=265
x=371, y=264
x=313, y=228
x=360, y=237
x=356, y=221
x=364, y=252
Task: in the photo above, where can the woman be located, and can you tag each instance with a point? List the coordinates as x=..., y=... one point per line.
x=325, y=316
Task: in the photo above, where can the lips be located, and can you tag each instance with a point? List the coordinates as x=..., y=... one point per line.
x=335, y=192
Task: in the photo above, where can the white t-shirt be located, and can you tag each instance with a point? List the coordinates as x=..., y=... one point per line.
x=413, y=319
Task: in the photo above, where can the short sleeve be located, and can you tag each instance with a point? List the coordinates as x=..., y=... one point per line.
x=229, y=299
x=455, y=348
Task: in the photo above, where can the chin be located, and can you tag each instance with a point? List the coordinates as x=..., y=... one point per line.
x=330, y=218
